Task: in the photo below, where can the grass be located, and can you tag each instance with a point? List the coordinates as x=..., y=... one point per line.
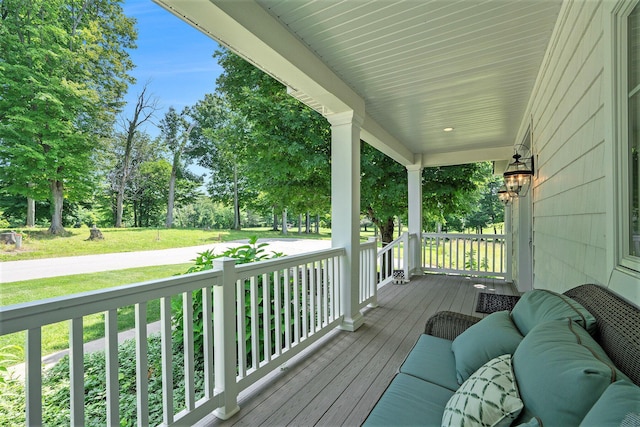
x=55, y=337
x=38, y=244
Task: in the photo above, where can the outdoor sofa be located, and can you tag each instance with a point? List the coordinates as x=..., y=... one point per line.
x=555, y=360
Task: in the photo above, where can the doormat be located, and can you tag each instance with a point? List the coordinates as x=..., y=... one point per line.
x=489, y=303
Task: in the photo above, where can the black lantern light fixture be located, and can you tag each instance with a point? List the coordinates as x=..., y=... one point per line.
x=518, y=175
x=503, y=195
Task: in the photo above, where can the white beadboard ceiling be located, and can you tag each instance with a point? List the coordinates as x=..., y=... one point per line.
x=413, y=67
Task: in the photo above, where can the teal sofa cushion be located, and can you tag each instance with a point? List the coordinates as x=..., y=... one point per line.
x=409, y=401
x=620, y=401
x=491, y=337
x=541, y=305
x=431, y=359
x=561, y=372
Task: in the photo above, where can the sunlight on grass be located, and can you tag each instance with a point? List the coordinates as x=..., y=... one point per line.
x=55, y=337
x=38, y=244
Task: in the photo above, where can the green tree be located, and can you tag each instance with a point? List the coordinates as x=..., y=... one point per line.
x=383, y=190
x=63, y=73
x=220, y=143
x=288, y=146
x=175, y=129
x=452, y=190
x=490, y=210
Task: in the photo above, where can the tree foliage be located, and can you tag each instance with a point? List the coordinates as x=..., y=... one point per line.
x=63, y=73
x=289, y=155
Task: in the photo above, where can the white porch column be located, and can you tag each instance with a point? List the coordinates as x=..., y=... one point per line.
x=414, y=175
x=345, y=209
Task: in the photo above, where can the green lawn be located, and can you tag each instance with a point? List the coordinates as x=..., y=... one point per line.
x=56, y=336
x=38, y=244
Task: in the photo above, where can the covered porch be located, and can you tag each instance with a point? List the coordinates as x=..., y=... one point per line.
x=340, y=379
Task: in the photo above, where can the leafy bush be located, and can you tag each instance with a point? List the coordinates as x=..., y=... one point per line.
x=12, y=402
x=56, y=393
x=251, y=252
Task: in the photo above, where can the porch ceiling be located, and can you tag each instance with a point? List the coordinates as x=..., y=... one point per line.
x=408, y=68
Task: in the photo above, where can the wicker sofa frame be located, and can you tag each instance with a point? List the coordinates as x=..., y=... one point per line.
x=617, y=327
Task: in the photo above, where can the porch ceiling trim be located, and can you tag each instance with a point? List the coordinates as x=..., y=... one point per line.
x=247, y=29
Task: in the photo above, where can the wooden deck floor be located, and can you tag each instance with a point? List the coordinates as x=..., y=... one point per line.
x=342, y=378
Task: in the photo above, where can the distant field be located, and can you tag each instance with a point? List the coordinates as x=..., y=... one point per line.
x=38, y=244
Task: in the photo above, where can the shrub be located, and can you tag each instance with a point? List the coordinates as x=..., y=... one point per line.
x=56, y=386
x=252, y=252
x=12, y=403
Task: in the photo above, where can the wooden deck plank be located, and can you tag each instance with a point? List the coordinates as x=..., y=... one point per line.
x=342, y=378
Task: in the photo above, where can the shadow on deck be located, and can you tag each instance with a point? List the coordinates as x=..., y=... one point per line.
x=338, y=381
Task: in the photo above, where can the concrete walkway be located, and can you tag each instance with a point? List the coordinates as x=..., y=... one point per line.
x=13, y=271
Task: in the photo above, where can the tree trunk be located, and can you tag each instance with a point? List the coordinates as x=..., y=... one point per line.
x=317, y=223
x=31, y=212
x=284, y=221
x=57, y=202
x=236, y=199
x=172, y=195
x=299, y=223
x=308, y=223
x=119, y=207
x=275, y=220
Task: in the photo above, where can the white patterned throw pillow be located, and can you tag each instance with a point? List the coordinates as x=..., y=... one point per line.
x=488, y=398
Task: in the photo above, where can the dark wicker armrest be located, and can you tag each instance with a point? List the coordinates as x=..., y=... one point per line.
x=449, y=324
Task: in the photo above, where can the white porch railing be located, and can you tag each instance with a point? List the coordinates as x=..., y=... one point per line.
x=396, y=257
x=276, y=308
x=475, y=254
x=368, y=273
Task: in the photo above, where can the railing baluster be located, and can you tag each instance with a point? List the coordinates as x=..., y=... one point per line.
x=287, y=308
x=296, y=304
x=305, y=303
x=207, y=326
x=242, y=328
x=76, y=368
x=312, y=299
x=33, y=380
x=255, y=342
x=266, y=316
x=142, y=367
x=277, y=312
x=112, y=364
x=167, y=360
x=187, y=337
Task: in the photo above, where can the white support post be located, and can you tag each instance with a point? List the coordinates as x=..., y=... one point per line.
x=414, y=179
x=345, y=210
x=224, y=320
x=508, y=244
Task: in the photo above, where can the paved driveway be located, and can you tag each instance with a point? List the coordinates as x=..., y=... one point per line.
x=13, y=271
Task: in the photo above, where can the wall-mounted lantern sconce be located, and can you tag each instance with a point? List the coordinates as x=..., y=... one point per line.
x=504, y=195
x=518, y=175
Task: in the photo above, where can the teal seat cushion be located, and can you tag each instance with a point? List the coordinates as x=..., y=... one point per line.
x=541, y=305
x=431, y=359
x=561, y=372
x=491, y=337
x=619, y=402
x=409, y=401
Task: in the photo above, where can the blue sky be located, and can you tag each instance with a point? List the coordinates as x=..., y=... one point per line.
x=175, y=58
